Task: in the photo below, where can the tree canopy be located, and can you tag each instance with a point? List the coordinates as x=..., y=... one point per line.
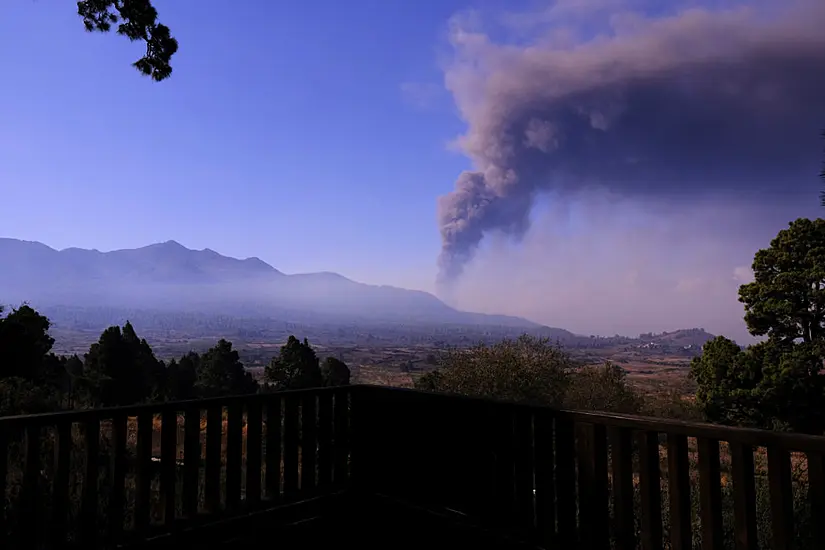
x=25, y=343
x=121, y=368
x=137, y=20
x=220, y=372
x=786, y=300
x=181, y=377
x=335, y=372
x=527, y=369
x=532, y=370
x=777, y=383
x=296, y=366
x=602, y=387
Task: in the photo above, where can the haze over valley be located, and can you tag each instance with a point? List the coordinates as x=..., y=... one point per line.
x=170, y=277
x=178, y=297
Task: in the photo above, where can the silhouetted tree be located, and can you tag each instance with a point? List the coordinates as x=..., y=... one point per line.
x=25, y=344
x=136, y=20
x=220, y=372
x=786, y=300
x=181, y=378
x=295, y=367
x=777, y=383
x=121, y=369
x=72, y=387
x=335, y=372
x=32, y=378
x=23, y=396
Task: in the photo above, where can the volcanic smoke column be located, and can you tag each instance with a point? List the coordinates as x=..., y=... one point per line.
x=467, y=212
x=700, y=104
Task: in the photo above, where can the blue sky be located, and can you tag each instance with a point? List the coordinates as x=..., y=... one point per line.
x=284, y=133
x=320, y=136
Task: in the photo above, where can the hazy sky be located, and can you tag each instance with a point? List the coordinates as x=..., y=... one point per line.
x=603, y=165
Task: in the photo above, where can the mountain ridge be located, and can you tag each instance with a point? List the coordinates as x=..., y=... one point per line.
x=171, y=276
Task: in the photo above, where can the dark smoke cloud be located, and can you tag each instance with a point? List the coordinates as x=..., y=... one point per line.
x=693, y=105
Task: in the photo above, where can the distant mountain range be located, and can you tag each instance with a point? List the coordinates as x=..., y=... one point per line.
x=168, y=276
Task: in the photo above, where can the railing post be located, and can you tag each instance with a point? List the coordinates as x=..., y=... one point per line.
x=30, y=495
x=143, y=474
x=309, y=441
x=234, y=454
x=60, y=504
x=678, y=471
x=359, y=438
x=566, y=481
x=212, y=474
x=191, y=460
x=253, y=453
x=504, y=481
x=650, y=489
x=341, y=436
x=117, y=497
x=524, y=470
x=744, y=496
x=816, y=496
x=710, y=494
x=4, y=466
x=168, y=466
x=781, y=492
x=592, y=473
x=325, y=448
x=621, y=451
x=291, y=436
x=545, y=488
x=274, y=452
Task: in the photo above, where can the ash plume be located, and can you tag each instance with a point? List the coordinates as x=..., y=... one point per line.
x=695, y=104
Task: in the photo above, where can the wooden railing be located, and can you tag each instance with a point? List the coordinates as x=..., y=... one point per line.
x=568, y=479
x=561, y=479
x=101, y=477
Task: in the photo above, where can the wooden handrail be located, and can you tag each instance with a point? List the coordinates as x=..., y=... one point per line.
x=748, y=436
x=136, y=410
x=556, y=477
x=110, y=475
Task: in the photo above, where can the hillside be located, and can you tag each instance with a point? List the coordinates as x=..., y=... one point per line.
x=170, y=277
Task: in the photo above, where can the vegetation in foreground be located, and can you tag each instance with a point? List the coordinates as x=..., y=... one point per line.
x=775, y=384
x=121, y=369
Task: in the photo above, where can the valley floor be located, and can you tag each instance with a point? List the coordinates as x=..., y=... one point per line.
x=376, y=360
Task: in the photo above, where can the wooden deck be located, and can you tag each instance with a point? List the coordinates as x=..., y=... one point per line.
x=401, y=469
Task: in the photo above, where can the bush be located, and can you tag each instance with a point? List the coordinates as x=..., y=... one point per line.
x=527, y=370
x=21, y=396
x=602, y=388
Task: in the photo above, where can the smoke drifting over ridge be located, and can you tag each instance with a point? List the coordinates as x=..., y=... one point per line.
x=670, y=109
